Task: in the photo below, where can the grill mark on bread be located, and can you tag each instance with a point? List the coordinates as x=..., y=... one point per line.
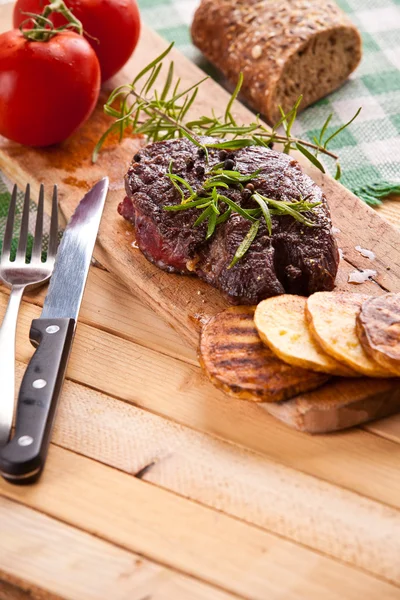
x=248, y=370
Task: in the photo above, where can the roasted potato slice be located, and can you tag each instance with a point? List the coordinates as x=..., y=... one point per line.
x=236, y=361
x=282, y=326
x=378, y=328
x=331, y=318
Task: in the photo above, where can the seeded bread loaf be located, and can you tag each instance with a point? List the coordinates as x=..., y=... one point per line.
x=283, y=47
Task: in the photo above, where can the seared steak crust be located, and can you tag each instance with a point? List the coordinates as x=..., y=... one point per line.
x=295, y=258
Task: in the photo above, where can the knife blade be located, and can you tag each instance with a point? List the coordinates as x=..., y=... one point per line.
x=23, y=458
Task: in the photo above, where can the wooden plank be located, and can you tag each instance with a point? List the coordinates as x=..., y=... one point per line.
x=230, y=479
x=356, y=460
x=387, y=428
x=182, y=301
x=46, y=559
x=390, y=210
x=187, y=302
x=198, y=541
x=131, y=319
x=339, y=404
x=110, y=306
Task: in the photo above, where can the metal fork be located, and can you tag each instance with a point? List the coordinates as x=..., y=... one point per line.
x=20, y=275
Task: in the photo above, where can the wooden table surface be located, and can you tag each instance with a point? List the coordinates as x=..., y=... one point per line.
x=155, y=488
x=158, y=487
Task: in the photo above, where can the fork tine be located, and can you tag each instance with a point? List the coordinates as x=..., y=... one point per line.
x=37, y=243
x=8, y=235
x=53, y=241
x=23, y=234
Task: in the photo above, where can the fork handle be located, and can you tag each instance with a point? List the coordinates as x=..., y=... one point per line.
x=7, y=362
x=22, y=459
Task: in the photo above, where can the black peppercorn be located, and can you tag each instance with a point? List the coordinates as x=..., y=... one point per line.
x=271, y=145
x=246, y=194
x=201, y=153
x=229, y=164
x=250, y=187
x=189, y=163
x=200, y=170
x=222, y=154
x=137, y=157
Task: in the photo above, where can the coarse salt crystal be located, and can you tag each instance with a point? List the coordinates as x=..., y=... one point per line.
x=134, y=245
x=364, y=252
x=336, y=230
x=361, y=276
x=341, y=254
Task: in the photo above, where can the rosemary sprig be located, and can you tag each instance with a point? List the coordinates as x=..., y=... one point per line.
x=209, y=200
x=162, y=115
x=245, y=245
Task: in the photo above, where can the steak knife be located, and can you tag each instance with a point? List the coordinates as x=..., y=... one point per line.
x=23, y=458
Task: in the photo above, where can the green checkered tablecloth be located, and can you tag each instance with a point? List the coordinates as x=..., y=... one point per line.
x=370, y=149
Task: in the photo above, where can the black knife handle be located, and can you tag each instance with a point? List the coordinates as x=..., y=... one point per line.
x=22, y=459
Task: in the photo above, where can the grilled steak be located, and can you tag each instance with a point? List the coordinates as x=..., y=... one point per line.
x=296, y=258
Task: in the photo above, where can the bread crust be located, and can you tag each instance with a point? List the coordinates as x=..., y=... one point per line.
x=283, y=47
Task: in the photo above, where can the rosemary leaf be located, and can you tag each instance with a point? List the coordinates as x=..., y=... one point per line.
x=186, y=109
x=341, y=128
x=204, y=215
x=152, y=64
x=228, y=114
x=214, y=203
x=225, y=216
x=192, y=204
x=245, y=245
x=313, y=159
x=177, y=179
x=293, y=116
x=168, y=81
x=231, y=144
x=265, y=210
x=236, y=208
x=324, y=128
x=212, y=222
x=155, y=73
x=214, y=184
x=338, y=173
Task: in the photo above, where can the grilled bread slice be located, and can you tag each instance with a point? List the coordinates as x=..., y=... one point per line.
x=331, y=318
x=378, y=328
x=282, y=326
x=236, y=361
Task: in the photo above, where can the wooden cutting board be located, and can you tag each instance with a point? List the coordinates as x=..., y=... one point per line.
x=185, y=302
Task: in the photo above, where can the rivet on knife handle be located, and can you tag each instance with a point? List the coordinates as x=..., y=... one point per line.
x=22, y=460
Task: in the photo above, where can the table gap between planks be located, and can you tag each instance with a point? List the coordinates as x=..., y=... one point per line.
x=159, y=486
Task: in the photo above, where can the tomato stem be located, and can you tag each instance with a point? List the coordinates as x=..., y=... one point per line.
x=43, y=29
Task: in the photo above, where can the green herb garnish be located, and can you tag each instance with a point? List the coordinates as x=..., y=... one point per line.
x=245, y=245
x=209, y=200
x=162, y=115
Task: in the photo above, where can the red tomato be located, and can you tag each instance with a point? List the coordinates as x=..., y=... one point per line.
x=115, y=24
x=47, y=89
